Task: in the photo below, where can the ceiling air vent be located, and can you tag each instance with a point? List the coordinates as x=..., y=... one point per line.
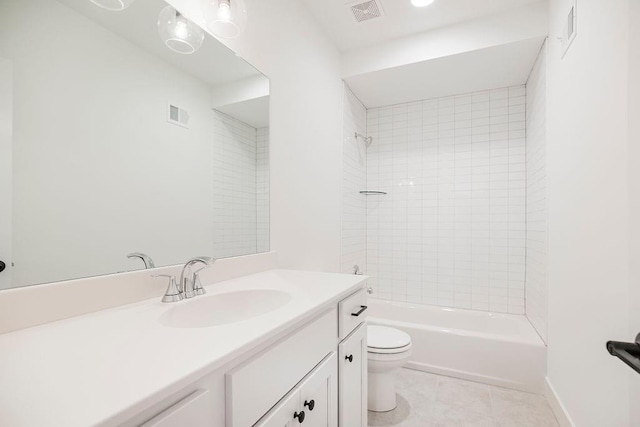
x=365, y=11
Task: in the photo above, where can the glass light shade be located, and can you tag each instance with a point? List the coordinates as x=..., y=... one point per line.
x=178, y=33
x=225, y=18
x=114, y=5
x=421, y=3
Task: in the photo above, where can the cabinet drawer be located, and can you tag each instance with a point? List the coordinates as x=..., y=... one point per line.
x=352, y=311
x=256, y=385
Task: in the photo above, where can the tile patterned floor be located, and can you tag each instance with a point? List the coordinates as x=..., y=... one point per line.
x=427, y=400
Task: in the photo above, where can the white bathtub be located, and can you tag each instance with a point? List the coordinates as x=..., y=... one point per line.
x=497, y=349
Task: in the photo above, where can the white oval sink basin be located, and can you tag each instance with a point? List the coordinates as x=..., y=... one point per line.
x=221, y=309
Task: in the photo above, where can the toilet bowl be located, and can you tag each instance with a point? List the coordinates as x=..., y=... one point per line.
x=387, y=350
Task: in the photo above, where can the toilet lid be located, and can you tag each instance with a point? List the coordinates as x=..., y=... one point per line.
x=385, y=338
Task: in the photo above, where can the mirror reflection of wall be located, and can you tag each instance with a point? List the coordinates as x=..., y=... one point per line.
x=97, y=167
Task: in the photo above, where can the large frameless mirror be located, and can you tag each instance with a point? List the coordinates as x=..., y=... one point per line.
x=120, y=152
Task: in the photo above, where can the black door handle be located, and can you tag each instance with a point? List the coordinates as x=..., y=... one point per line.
x=349, y=358
x=628, y=352
x=2, y=266
x=362, y=309
x=311, y=404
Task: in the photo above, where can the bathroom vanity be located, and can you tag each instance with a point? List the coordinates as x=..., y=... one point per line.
x=277, y=348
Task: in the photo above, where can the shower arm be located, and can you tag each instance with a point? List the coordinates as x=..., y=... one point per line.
x=367, y=139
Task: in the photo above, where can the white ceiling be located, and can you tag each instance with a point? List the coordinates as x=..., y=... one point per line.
x=400, y=18
x=491, y=68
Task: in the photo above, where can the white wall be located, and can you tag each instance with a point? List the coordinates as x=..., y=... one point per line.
x=285, y=42
x=354, y=180
x=588, y=166
x=536, y=259
x=451, y=230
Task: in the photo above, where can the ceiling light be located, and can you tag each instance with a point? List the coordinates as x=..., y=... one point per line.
x=225, y=18
x=178, y=33
x=421, y=3
x=114, y=5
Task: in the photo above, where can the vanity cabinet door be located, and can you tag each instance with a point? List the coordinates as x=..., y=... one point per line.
x=319, y=395
x=282, y=414
x=312, y=403
x=352, y=378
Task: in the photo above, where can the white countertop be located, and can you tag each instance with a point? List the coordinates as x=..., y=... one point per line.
x=104, y=367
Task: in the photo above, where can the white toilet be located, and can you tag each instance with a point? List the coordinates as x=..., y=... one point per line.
x=387, y=350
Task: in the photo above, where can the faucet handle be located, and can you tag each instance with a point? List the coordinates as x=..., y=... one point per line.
x=198, y=289
x=172, y=294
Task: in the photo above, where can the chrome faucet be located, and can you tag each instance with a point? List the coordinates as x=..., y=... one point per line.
x=148, y=262
x=189, y=284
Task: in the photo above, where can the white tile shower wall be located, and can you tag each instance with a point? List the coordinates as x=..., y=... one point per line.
x=262, y=176
x=451, y=230
x=536, y=244
x=354, y=180
x=235, y=186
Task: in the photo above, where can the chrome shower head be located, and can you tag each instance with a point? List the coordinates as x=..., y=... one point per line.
x=367, y=139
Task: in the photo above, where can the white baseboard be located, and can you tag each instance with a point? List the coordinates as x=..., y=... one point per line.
x=556, y=405
x=470, y=376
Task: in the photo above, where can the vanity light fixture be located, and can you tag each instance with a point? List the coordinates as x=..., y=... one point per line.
x=113, y=5
x=421, y=3
x=225, y=18
x=178, y=33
